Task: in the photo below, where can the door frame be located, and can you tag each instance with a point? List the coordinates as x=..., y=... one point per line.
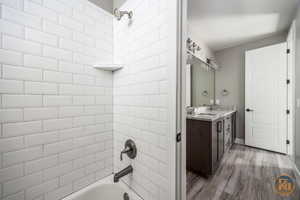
x=174, y=44
x=181, y=100
x=177, y=16
x=284, y=147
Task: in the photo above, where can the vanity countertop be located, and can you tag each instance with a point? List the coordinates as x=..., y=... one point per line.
x=211, y=115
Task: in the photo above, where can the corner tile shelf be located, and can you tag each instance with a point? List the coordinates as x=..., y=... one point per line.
x=108, y=67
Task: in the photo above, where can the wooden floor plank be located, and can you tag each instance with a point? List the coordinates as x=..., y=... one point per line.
x=245, y=173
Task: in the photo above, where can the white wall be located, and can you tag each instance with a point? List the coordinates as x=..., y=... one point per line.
x=141, y=96
x=56, y=110
x=231, y=76
x=205, y=51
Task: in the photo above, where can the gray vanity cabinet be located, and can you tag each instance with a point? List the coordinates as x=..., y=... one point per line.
x=205, y=145
x=221, y=139
x=207, y=141
x=199, y=146
x=214, y=146
x=188, y=144
x=227, y=132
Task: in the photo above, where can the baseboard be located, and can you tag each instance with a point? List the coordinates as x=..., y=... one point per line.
x=239, y=141
x=292, y=158
x=296, y=169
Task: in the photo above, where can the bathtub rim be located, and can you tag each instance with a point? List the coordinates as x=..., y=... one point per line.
x=103, y=181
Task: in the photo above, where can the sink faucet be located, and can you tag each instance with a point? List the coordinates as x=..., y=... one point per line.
x=122, y=173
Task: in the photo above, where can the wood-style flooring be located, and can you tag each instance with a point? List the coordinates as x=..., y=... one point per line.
x=244, y=174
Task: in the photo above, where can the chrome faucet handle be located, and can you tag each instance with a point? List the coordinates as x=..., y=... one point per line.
x=129, y=149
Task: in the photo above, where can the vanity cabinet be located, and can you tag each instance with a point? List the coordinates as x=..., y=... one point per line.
x=228, y=132
x=188, y=142
x=221, y=138
x=199, y=150
x=207, y=141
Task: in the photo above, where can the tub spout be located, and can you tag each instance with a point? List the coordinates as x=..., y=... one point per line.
x=122, y=173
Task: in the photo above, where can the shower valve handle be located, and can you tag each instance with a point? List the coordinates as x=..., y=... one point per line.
x=130, y=150
x=123, y=152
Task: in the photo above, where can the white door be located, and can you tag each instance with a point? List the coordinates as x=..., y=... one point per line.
x=291, y=38
x=266, y=97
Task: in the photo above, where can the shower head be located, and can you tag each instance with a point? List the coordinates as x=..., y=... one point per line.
x=119, y=14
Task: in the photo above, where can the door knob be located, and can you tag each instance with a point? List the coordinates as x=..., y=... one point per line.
x=249, y=110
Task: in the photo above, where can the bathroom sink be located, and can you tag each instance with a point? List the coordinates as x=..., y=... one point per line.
x=208, y=114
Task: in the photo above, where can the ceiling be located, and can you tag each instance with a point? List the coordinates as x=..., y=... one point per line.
x=104, y=4
x=108, y=5
x=228, y=23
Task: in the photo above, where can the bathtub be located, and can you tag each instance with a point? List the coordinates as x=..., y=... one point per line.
x=105, y=189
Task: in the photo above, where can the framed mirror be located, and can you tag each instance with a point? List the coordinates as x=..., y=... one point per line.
x=202, y=83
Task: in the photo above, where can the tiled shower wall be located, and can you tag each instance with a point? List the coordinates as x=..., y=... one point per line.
x=56, y=109
x=141, y=97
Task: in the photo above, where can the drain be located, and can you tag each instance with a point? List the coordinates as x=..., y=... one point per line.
x=126, y=196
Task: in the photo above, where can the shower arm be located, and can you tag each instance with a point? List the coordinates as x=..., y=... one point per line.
x=119, y=14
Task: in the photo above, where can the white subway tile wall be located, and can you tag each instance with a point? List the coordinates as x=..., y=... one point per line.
x=140, y=97
x=56, y=109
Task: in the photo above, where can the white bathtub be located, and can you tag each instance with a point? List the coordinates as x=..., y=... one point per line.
x=105, y=189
